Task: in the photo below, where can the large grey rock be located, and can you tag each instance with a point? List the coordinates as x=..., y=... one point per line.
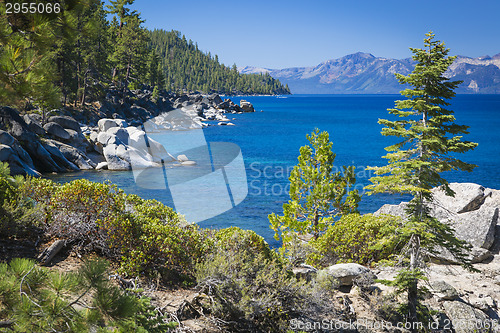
x=246, y=106
x=56, y=130
x=345, y=273
x=104, y=138
x=215, y=99
x=43, y=159
x=74, y=155
x=140, y=159
x=17, y=166
x=121, y=152
x=139, y=111
x=105, y=124
x=98, y=148
x=483, y=303
x=5, y=152
x=102, y=166
x=468, y=197
x=58, y=156
x=93, y=136
x=476, y=227
x=156, y=150
x=473, y=213
x=444, y=290
x=132, y=129
x=115, y=162
x=66, y=122
x=23, y=154
x=475, y=255
x=396, y=210
x=31, y=144
x=26, y=163
x=120, y=133
x=465, y=318
x=77, y=140
x=34, y=124
x=95, y=157
x=304, y=272
x=6, y=138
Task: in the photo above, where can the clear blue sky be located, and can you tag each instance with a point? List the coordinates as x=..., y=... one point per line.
x=279, y=33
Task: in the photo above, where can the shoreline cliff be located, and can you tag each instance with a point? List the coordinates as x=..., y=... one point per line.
x=67, y=139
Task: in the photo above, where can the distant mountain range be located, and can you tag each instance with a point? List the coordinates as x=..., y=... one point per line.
x=363, y=73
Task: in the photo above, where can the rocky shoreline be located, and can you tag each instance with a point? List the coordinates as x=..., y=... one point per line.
x=464, y=301
x=97, y=136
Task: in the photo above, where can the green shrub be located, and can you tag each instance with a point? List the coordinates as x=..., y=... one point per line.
x=133, y=85
x=18, y=216
x=153, y=237
x=8, y=184
x=76, y=209
x=236, y=239
x=156, y=94
x=363, y=239
x=39, y=190
x=144, y=236
x=250, y=287
x=35, y=299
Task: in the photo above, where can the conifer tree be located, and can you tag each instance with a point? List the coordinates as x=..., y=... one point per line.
x=26, y=58
x=429, y=138
x=130, y=42
x=154, y=71
x=186, y=67
x=317, y=193
x=94, y=51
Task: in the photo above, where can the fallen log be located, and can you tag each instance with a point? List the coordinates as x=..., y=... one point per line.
x=49, y=253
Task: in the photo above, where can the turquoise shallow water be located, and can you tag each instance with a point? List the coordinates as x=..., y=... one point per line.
x=270, y=142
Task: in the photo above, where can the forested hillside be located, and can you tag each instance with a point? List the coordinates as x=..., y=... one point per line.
x=75, y=54
x=186, y=67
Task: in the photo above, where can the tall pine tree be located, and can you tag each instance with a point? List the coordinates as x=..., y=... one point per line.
x=429, y=139
x=27, y=66
x=130, y=42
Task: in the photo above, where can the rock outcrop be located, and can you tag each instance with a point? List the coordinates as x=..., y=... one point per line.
x=345, y=273
x=246, y=106
x=472, y=213
x=467, y=319
x=29, y=156
x=70, y=141
x=56, y=130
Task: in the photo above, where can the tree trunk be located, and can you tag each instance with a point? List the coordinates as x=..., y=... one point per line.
x=84, y=87
x=315, y=226
x=128, y=69
x=115, y=72
x=412, y=305
x=413, y=287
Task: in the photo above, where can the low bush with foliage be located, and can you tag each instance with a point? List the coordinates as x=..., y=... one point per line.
x=250, y=287
x=362, y=239
x=18, y=215
x=144, y=236
x=153, y=237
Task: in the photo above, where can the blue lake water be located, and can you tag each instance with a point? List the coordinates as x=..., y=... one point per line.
x=270, y=142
